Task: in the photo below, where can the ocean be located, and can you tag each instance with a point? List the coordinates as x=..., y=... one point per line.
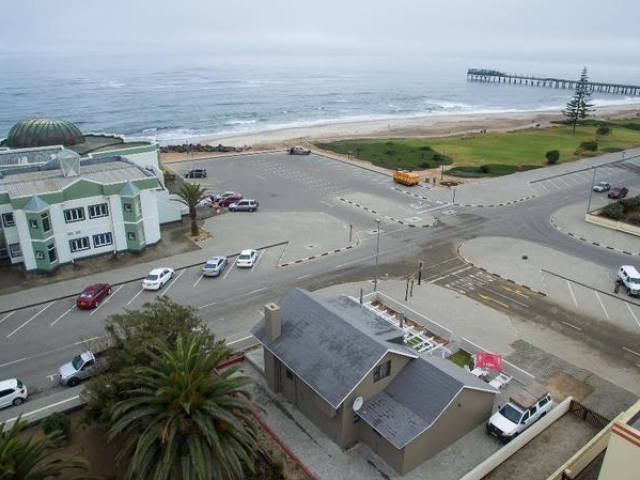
x=179, y=99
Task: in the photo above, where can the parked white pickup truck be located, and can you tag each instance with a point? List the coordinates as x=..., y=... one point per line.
x=520, y=413
x=81, y=367
x=297, y=150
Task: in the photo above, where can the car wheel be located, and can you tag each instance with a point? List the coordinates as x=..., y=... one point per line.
x=232, y=209
x=73, y=382
x=96, y=305
x=18, y=401
x=109, y=292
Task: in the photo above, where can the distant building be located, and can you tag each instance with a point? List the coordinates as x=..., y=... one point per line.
x=349, y=372
x=65, y=195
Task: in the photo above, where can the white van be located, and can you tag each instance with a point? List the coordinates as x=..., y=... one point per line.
x=630, y=278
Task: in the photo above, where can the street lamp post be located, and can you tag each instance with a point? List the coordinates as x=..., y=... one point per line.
x=593, y=182
x=375, y=277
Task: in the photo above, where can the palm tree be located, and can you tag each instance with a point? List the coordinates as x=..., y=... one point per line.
x=182, y=419
x=30, y=459
x=190, y=194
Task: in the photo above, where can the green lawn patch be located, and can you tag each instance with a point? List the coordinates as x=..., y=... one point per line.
x=462, y=358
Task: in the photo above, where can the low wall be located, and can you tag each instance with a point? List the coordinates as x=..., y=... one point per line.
x=611, y=224
x=521, y=376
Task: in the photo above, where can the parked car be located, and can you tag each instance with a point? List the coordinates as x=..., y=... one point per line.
x=228, y=200
x=92, y=295
x=157, y=278
x=247, y=258
x=246, y=205
x=214, y=266
x=630, y=278
x=83, y=366
x=601, y=187
x=12, y=392
x=297, y=150
x=204, y=202
x=196, y=173
x=618, y=191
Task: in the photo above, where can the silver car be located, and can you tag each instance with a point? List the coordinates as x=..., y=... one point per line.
x=244, y=205
x=214, y=266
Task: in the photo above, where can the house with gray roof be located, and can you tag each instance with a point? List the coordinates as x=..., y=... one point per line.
x=349, y=371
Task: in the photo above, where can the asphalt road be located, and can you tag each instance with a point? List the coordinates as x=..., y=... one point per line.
x=37, y=340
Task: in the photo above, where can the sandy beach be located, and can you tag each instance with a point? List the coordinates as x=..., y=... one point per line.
x=425, y=127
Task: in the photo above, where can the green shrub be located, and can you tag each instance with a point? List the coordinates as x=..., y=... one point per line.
x=485, y=169
x=589, y=146
x=631, y=204
x=424, y=165
x=635, y=220
x=603, y=130
x=614, y=211
x=552, y=156
x=57, y=421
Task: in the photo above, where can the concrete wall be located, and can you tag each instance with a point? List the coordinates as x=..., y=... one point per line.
x=611, y=224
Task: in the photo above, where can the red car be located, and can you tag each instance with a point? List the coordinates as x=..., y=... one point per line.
x=93, y=295
x=226, y=201
x=618, y=192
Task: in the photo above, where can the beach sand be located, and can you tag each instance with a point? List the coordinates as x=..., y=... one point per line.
x=423, y=127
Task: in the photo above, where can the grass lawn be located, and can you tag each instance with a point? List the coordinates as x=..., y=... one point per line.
x=503, y=152
x=462, y=358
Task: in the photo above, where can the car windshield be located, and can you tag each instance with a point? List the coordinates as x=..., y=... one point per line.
x=152, y=277
x=19, y=384
x=77, y=362
x=634, y=280
x=510, y=413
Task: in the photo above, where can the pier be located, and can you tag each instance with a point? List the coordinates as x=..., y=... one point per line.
x=494, y=76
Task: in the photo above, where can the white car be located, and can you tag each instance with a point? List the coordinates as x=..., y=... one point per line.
x=157, y=278
x=247, y=258
x=12, y=392
x=298, y=150
x=601, y=187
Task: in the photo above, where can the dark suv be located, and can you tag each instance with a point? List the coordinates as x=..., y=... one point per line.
x=196, y=173
x=618, y=191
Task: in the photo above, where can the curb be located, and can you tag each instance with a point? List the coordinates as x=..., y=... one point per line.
x=595, y=244
x=330, y=252
x=401, y=222
x=478, y=205
x=500, y=276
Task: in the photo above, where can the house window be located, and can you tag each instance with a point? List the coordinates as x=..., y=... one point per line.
x=15, y=250
x=78, y=244
x=99, y=210
x=7, y=219
x=74, y=215
x=102, y=239
x=39, y=255
x=381, y=371
x=289, y=374
x=51, y=251
x=46, y=224
x=33, y=224
x=131, y=235
x=127, y=207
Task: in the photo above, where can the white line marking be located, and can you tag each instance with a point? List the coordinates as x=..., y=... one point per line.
x=106, y=299
x=326, y=203
x=7, y=316
x=507, y=297
x=632, y=314
x=242, y=339
x=348, y=263
x=13, y=362
x=256, y=291
x=135, y=296
x=602, y=305
x=572, y=326
x=571, y=291
x=303, y=276
x=38, y=410
x=56, y=320
x=198, y=281
x=42, y=354
x=631, y=351
x=29, y=321
x=207, y=305
x=451, y=274
x=172, y=283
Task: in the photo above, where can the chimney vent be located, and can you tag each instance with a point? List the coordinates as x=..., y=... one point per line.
x=273, y=321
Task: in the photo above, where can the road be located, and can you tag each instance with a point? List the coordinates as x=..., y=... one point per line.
x=37, y=339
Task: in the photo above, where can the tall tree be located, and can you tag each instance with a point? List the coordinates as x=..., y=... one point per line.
x=579, y=106
x=32, y=459
x=181, y=418
x=190, y=194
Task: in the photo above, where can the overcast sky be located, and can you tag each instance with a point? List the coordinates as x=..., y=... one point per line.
x=583, y=32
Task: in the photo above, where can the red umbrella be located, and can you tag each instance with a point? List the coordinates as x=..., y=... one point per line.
x=491, y=361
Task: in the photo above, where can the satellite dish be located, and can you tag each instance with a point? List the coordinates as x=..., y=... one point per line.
x=357, y=404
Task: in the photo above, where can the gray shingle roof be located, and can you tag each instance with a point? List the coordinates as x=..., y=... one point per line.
x=323, y=343
x=416, y=398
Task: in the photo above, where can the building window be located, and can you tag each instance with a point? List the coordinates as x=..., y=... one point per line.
x=7, y=219
x=51, y=251
x=381, y=371
x=78, y=244
x=127, y=207
x=99, y=210
x=33, y=224
x=15, y=250
x=46, y=224
x=39, y=255
x=131, y=235
x=289, y=374
x=102, y=239
x=74, y=215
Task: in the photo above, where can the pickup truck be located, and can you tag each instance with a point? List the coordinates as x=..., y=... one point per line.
x=81, y=367
x=522, y=411
x=297, y=150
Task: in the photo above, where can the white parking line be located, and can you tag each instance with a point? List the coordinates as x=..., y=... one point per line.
x=602, y=305
x=56, y=320
x=572, y=326
x=451, y=273
x=7, y=316
x=135, y=296
x=29, y=321
x=632, y=314
x=106, y=300
x=198, y=281
x=38, y=410
x=571, y=291
x=207, y=305
x=303, y=276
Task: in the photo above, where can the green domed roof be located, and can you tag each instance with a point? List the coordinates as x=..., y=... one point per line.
x=42, y=132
